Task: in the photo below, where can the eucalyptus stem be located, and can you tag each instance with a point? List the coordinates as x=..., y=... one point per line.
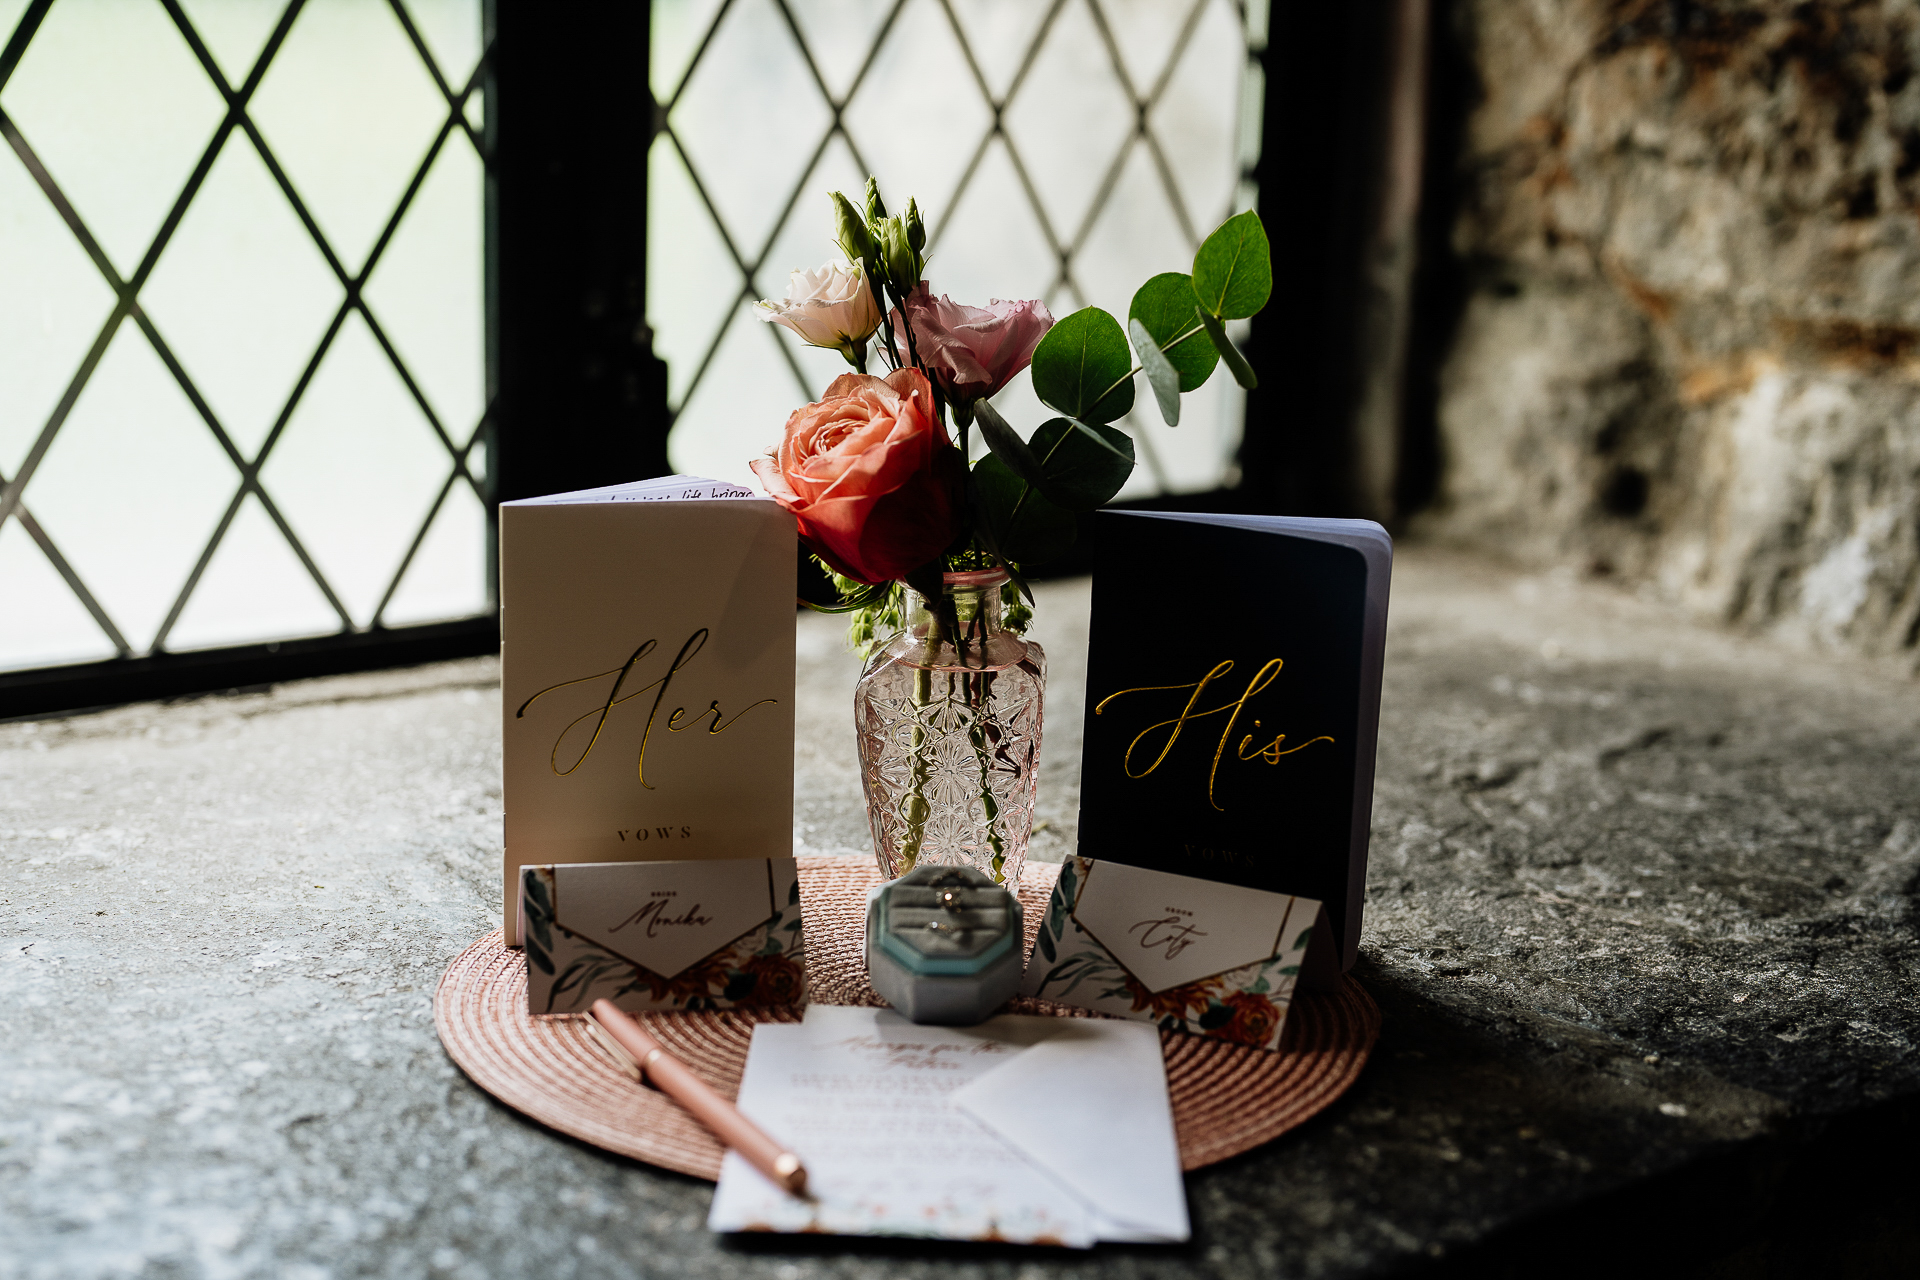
x=980, y=691
x=915, y=808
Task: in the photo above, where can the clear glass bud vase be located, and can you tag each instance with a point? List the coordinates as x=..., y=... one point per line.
x=948, y=718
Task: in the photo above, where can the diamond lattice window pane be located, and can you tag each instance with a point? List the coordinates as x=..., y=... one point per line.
x=43, y=621
x=241, y=295
x=840, y=35
x=51, y=310
x=678, y=28
x=132, y=487
x=1001, y=33
x=234, y=31
x=1073, y=203
x=115, y=105
x=357, y=471
x=744, y=400
x=445, y=579
x=1070, y=120
x=254, y=588
x=451, y=30
x=349, y=110
x=688, y=263
x=920, y=72
x=750, y=120
x=136, y=491
x=802, y=246
x=1197, y=119
x=426, y=290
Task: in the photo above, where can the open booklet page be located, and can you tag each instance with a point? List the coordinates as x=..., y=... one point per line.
x=962, y=1133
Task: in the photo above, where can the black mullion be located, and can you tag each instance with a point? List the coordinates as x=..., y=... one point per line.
x=51, y=189
x=239, y=460
x=1113, y=53
x=456, y=103
x=746, y=274
x=999, y=112
x=1154, y=150
x=420, y=47
x=960, y=188
x=300, y=551
x=23, y=32
x=473, y=84
x=413, y=548
x=786, y=210
x=10, y=495
x=249, y=481
x=293, y=198
x=199, y=567
x=693, y=63
x=72, y=578
x=357, y=299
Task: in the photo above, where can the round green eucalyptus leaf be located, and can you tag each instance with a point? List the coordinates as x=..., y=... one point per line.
x=1167, y=307
x=1083, y=367
x=1024, y=526
x=1233, y=272
x=1085, y=463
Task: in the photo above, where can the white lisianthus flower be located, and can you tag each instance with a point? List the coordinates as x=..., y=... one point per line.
x=833, y=307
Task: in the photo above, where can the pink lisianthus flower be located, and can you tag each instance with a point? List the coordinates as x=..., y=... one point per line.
x=972, y=352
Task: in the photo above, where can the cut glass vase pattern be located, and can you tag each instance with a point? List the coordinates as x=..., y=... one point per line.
x=948, y=719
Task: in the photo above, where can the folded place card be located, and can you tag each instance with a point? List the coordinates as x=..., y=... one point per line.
x=709, y=934
x=1188, y=954
x=1236, y=742
x=646, y=638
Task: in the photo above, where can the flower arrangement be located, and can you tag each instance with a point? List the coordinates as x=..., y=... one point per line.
x=883, y=494
x=948, y=711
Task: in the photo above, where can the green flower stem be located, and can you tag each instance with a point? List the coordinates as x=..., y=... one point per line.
x=981, y=690
x=915, y=808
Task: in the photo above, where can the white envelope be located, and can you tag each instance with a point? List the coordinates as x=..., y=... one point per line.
x=1075, y=1126
x=1089, y=1106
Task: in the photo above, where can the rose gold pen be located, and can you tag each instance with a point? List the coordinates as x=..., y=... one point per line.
x=708, y=1107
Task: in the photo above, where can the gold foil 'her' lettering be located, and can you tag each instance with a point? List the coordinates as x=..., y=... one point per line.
x=658, y=688
x=1271, y=753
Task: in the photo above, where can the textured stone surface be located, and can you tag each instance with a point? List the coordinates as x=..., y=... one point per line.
x=1642, y=922
x=1690, y=348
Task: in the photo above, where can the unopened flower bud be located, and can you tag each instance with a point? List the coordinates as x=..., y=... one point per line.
x=903, y=265
x=850, y=229
x=875, y=209
x=916, y=229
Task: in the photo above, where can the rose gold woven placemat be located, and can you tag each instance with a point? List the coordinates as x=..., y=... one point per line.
x=1226, y=1099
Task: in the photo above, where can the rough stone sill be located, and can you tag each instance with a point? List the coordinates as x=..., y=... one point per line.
x=1641, y=916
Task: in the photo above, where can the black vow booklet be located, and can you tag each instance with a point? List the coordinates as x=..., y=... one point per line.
x=1233, y=702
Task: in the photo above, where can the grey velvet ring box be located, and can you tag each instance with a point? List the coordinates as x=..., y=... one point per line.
x=944, y=944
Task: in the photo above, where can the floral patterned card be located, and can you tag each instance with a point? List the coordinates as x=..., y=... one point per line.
x=1191, y=955
x=707, y=934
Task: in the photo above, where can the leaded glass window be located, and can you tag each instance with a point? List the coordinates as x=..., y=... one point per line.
x=1066, y=147
x=241, y=349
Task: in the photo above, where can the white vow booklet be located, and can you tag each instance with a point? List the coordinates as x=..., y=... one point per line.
x=1029, y=1130
x=646, y=673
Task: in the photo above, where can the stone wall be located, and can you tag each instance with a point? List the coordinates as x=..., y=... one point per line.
x=1688, y=352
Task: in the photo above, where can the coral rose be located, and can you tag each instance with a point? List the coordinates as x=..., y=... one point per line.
x=972, y=352
x=870, y=475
